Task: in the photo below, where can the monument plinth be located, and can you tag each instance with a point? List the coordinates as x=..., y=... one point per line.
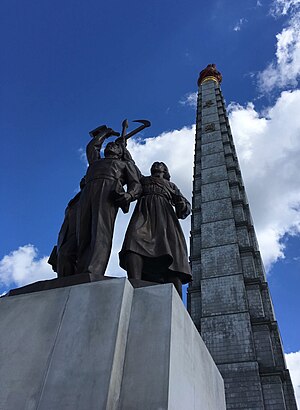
x=104, y=345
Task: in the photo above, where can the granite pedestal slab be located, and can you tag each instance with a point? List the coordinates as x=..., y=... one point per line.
x=104, y=345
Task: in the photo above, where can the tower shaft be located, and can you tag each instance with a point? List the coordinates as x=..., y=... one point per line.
x=229, y=299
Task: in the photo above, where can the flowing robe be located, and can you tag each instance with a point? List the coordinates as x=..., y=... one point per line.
x=154, y=231
x=67, y=244
x=63, y=257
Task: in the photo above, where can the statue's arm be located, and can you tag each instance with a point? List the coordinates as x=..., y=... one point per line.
x=134, y=187
x=182, y=205
x=93, y=148
x=133, y=180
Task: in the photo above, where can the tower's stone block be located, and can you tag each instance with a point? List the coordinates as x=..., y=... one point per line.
x=220, y=261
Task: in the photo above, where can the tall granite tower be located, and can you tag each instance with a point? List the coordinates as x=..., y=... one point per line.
x=229, y=299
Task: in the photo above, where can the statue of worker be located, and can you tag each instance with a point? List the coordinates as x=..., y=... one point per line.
x=101, y=198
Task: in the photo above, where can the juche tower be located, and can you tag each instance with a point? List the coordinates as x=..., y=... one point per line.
x=229, y=299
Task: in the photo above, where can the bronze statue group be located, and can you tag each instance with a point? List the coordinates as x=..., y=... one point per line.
x=154, y=247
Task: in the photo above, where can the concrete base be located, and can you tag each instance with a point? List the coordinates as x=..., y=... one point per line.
x=104, y=345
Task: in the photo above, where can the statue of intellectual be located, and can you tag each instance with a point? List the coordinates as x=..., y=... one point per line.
x=101, y=198
x=154, y=247
x=63, y=257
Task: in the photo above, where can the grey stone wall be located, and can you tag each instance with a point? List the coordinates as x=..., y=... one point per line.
x=104, y=346
x=229, y=300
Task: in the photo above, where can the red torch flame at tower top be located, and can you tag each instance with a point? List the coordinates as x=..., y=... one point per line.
x=210, y=73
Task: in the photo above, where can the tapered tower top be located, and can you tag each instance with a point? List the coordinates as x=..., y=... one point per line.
x=210, y=73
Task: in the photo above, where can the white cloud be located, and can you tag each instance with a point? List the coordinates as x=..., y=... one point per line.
x=189, y=99
x=22, y=266
x=258, y=3
x=269, y=151
x=293, y=364
x=285, y=69
x=283, y=7
x=175, y=148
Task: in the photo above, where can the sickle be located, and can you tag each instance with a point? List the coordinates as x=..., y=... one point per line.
x=145, y=123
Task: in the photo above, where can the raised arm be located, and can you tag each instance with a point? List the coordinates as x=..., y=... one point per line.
x=94, y=146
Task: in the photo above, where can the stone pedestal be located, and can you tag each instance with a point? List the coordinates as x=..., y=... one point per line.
x=104, y=345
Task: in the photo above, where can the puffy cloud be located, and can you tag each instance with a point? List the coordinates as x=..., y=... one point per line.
x=285, y=70
x=283, y=7
x=189, y=99
x=22, y=266
x=175, y=148
x=268, y=147
x=293, y=364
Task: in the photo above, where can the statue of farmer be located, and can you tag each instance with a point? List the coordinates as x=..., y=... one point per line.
x=154, y=247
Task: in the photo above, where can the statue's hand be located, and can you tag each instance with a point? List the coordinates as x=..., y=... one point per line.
x=123, y=199
x=121, y=140
x=183, y=209
x=110, y=132
x=104, y=132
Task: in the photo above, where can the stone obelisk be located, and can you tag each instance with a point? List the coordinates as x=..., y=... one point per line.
x=229, y=299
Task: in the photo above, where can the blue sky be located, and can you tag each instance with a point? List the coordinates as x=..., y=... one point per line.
x=69, y=67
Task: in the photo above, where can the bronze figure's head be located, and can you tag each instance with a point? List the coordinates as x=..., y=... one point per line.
x=160, y=169
x=113, y=150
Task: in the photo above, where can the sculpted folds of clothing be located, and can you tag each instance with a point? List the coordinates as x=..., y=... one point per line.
x=154, y=231
x=97, y=210
x=67, y=243
x=68, y=227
